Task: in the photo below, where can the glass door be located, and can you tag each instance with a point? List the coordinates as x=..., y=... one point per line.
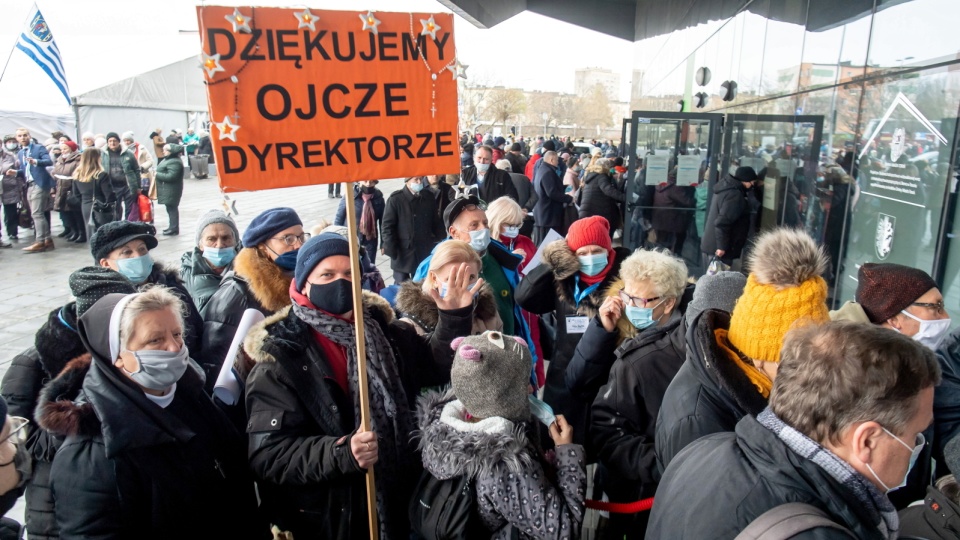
x=672, y=167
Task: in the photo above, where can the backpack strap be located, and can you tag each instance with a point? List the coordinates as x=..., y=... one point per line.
x=787, y=520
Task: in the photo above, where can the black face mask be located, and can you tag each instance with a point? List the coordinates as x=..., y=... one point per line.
x=367, y=189
x=335, y=297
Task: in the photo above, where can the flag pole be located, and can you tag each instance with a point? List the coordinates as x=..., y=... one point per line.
x=357, y=273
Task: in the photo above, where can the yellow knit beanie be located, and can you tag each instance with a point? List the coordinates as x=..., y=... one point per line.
x=784, y=287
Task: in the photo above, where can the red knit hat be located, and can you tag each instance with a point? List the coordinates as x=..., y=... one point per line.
x=594, y=230
x=72, y=145
x=883, y=290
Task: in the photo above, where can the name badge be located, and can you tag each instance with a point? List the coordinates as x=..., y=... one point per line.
x=577, y=325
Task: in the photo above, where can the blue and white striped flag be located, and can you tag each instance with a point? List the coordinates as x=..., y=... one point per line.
x=37, y=42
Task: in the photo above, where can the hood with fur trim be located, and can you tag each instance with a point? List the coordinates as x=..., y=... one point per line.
x=268, y=282
x=282, y=327
x=565, y=266
x=414, y=304
x=472, y=449
x=59, y=409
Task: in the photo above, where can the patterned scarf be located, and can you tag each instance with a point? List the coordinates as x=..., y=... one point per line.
x=390, y=417
x=368, y=219
x=877, y=504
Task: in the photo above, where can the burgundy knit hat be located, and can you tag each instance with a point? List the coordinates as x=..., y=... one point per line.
x=593, y=230
x=887, y=289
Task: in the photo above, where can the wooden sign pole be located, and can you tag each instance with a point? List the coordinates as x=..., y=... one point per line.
x=357, y=274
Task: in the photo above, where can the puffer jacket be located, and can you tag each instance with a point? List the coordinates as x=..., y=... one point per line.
x=300, y=420
x=129, y=469
x=199, y=279
x=57, y=344
x=519, y=495
x=549, y=288
x=721, y=483
x=169, y=178
x=418, y=308
x=728, y=221
x=600, y=196
x=255, y=282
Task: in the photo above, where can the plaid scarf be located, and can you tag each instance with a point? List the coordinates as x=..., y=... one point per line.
x=877, y=504
x=368, y=219
x=390, y=417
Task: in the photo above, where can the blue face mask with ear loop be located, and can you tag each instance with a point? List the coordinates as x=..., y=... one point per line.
x=288, y=260
x=136, y=269
x=639, y=317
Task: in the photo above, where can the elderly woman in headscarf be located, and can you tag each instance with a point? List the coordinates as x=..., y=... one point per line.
x=170, y=185
x=146, y=450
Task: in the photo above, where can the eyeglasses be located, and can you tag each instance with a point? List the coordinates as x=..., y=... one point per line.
x=18, y=430
x=936, y=307
x=292, y=239
x=634, y=301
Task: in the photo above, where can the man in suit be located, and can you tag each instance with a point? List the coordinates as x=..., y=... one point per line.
x=548, y=187
x=492, y=182
x=33, y=160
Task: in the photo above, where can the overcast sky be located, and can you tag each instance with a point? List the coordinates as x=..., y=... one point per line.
x=103, y=41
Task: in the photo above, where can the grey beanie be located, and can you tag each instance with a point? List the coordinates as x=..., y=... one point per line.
x=491, y=375
x=127, y=136
x=216, y=216
x=719, y=291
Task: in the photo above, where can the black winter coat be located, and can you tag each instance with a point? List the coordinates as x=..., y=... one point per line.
x=199, y=278
x=301, y=420
x=624, y=416
x=411, y=228
x=723, y=482
x=527, y=199
x=728, y=221
x=665, y=199
x=550, y=288
x=130, y=469
x=551, y=198
x=444, y=193
x=22, y=383
x=600, y=196
x=496, y=184
x=709, y=394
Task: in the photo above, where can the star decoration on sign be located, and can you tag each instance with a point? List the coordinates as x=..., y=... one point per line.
x=430, y=27
x=240, y=22
x=457, y=69
x=227, y=129
x=463, y=190
x=229, y=206
x=211, y=63
x=306, y=20
x=370, y=22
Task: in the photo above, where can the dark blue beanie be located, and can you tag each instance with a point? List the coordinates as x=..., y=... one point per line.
x=269, y=223
x=315, y=250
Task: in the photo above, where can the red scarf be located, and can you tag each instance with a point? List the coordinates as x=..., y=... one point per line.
x=368, y=219
x=590, y=280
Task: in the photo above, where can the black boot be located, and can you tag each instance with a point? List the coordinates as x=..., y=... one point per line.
x=81, y=239
x=65, y=233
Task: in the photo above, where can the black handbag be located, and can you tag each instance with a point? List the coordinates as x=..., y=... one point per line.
x=24, y=215
x=103, y=213
x=73, y=198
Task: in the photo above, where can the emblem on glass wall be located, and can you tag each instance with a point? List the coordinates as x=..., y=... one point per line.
x=886, y=225
x=897, y=144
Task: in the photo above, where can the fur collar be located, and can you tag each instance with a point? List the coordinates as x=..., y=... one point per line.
x=59, y=410
x=565, y=266
x=268, y=282
x=284, y=327
x=448, y=451
x=419, y=306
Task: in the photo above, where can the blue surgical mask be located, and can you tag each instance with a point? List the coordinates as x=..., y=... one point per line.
x=541, y=410
x=288, y=260
x=219, y=257
x=510, y=232
x=640, y=317
x=416, y=188
x=592, y=265
x=444, y=289
x=482, y=168
x=480, y=239
x=915, y=452
x=136, y=269
x=160, y=369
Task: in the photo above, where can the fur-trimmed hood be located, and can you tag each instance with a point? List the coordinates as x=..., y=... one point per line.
x=268, y=282
x=565, y=266
x=448, y=452
x=418, y=306
x=284, y=327
x=59, y=407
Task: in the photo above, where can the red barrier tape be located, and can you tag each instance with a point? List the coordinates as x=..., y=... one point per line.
x=622, y=508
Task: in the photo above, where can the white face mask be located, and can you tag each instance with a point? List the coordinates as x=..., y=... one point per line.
x=510, y=232
x=11, y=146
x=915, y=452
x=159, y=369
x=931, y=333
x=482, y=168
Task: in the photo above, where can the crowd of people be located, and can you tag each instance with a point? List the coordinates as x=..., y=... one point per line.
x=512, y=382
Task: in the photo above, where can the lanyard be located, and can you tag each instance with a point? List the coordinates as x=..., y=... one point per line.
x=579, y=295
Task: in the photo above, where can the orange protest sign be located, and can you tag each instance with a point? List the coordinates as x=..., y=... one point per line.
x=300, y=97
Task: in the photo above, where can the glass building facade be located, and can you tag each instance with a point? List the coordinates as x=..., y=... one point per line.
x=795, y=94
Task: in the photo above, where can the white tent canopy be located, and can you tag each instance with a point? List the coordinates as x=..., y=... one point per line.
x=172, y=96
x=40, y=125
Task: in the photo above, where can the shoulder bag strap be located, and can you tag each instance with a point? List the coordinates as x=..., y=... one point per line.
x=786, y=521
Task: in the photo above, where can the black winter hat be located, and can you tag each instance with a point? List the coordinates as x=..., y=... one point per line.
x=113, y=135
x=499, y=141
x=92, y=283
x=117, y=233
x=315, y=250
x=515, y=147
x=550, y=146
x=745, y=174
x=456, y=208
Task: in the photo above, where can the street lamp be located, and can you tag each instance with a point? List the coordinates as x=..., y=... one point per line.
x=545, y=117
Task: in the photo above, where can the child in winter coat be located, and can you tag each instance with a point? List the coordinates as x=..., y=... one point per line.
x=483, y=428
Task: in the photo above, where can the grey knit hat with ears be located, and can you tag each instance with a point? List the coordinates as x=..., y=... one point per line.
x=491, y=375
